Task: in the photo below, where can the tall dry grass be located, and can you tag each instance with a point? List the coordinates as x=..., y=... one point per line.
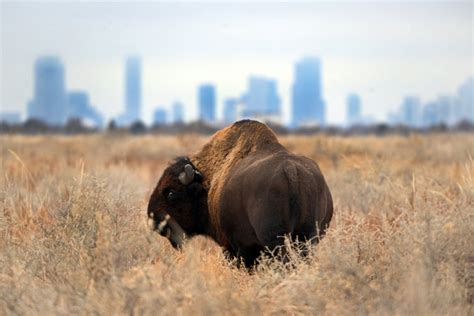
x=74, y=238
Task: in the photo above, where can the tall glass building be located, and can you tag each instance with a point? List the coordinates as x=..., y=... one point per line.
x=262, y=98
x=133, y=94
x=411, y=111
x=207, y=102
x=466, y=100
x=80, y=107
x=160, y=116
x=353, y=109
x=230, y=110
x=308, y=107
x=49, y=101
x=178, y=112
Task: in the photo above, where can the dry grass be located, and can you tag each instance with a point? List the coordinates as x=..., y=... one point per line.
x=74, y=238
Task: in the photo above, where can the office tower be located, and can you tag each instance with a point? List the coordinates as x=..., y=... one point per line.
x=458, y=112
x=133, y=88
x=178, y=112
x=445, y=107
x=430, y=114
x=80, y=107
x=353, y=109
x=394, y=118
x=160, y=116
x=132, y=92
x=49, y=100
x=207, y=102
x=466, y=100
x=308, y=107
x=230, y=110
x=410, y=111
x=261, y=98
x=10, y=117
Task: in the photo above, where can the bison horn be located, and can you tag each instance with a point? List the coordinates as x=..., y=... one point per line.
x=187, y=176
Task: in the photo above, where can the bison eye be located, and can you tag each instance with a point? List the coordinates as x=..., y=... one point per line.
x=171, y=196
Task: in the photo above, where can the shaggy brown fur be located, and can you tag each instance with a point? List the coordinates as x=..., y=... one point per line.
x=222, y=152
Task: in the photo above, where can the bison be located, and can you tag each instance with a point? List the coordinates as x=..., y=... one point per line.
x=244, y=190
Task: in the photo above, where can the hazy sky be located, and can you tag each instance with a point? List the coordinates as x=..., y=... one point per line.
x=380, y=50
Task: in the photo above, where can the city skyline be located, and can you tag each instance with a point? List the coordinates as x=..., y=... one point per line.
x=365, y=47
x=54, y=105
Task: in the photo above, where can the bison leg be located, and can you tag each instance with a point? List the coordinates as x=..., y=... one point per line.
x=250, y=254
x=246, y=255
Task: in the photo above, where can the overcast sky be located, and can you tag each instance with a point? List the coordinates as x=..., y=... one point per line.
x=381, y=50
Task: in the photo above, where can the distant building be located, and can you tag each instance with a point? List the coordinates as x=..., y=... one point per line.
x=465, y=110
x=10, y=117
x=207, y=102
x=445, y=106
x=449, y=109
x=160, y=116
x=49, y=100
x=308, y=107
x=410, y=111
x=430, y=114
x=261, y=101
x=80, y=107
x=178, y=112
x=230, y=110
x=133, y=95
x=353, y=109
x=394, y=118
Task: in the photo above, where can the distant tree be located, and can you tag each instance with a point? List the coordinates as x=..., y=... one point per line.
x=35, y=126
x=112, y=126
x=381, y=129
x=441, y=127
x=138, y=127
x=464, y=125
x=74, y=125
x=5, y=127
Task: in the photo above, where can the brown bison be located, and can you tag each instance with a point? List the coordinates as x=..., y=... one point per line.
x=244, y=190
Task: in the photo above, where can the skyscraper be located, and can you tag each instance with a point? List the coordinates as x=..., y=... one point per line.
x=178, y=112
x=132, y=91
x=230, y=110
x=80, y=107
x=49, y=100
x=261, y=99
x=353, y=109
x=466, y=100
x=207, y=102
x=445, y=108
x=308, y=104
x=160, y=116
x=430, y=114
x=10, y=117
x=410, y=111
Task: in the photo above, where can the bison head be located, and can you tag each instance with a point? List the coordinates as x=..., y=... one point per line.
x=177, y=205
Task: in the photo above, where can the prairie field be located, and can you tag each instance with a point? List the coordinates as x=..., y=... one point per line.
x=74, y=238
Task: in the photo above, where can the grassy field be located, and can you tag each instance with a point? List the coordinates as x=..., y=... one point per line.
x=74, y=238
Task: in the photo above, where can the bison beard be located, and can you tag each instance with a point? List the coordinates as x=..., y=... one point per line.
x=244, y=190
